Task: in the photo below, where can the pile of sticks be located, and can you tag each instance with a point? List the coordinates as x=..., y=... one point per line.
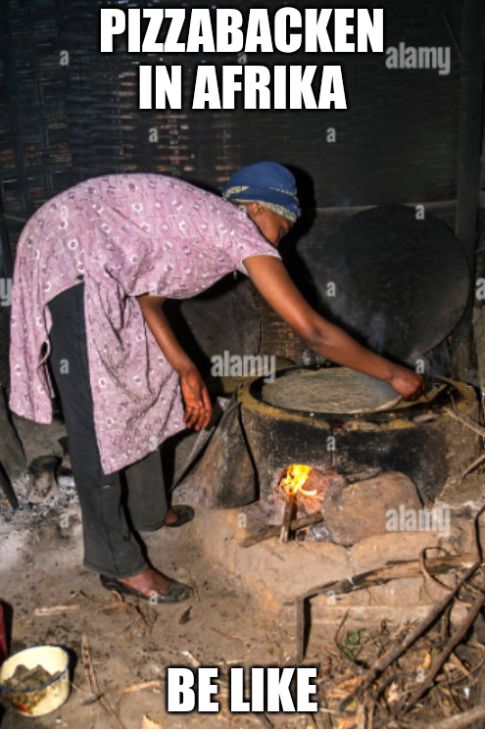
x=373, y=675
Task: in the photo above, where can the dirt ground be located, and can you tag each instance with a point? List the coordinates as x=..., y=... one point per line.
x=130, y=643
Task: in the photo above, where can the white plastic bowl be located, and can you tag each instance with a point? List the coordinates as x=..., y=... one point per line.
x=45, y=698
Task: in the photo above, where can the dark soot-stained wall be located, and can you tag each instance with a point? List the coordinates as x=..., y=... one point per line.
x=397, y=143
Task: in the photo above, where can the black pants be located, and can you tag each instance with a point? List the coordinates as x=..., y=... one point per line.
x=115, y=506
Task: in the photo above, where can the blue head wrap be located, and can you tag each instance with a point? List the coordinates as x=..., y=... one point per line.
x=267, y=183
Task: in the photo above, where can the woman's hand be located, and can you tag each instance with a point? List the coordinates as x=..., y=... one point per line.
x=198, y=407
x=406, y=382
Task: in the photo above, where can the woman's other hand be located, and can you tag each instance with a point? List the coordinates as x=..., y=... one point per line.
x=406, y=382
x=273, y=282
x=198, y=407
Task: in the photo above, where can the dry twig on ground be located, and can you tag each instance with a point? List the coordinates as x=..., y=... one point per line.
x=93, y=681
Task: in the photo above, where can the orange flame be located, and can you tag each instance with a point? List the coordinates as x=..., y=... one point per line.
x=292, y=481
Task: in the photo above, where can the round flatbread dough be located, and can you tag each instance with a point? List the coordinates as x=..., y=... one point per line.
x=329, y=390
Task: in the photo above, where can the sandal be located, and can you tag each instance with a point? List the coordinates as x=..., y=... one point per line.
x=178, y=592
x=184, y=515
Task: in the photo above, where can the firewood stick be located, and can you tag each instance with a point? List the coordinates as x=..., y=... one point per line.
x=473, y=465
x=307, y=520
x=395, y=570
x=58, y=609
x=290, y=504
x=273, y=530
x=466, y=421
x=146, y=685
x=460, y=720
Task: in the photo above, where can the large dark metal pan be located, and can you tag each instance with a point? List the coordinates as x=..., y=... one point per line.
x=401, y=283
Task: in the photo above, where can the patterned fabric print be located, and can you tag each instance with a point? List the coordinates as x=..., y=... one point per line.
x=125, y=235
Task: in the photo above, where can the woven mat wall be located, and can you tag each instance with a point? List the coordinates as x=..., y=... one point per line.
x=62, y=122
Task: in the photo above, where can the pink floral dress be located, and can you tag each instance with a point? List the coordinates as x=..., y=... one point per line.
x=125, y=235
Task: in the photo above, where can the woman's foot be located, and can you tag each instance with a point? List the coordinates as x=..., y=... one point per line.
x=149, y=584
x=149, y=580
x=171, y=517
x=178, y=515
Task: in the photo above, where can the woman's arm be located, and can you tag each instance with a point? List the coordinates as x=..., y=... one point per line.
x=273, y=282
x=198, y=407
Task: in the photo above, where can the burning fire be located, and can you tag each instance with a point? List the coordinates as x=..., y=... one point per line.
x=292, y=481
x=305, y=486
